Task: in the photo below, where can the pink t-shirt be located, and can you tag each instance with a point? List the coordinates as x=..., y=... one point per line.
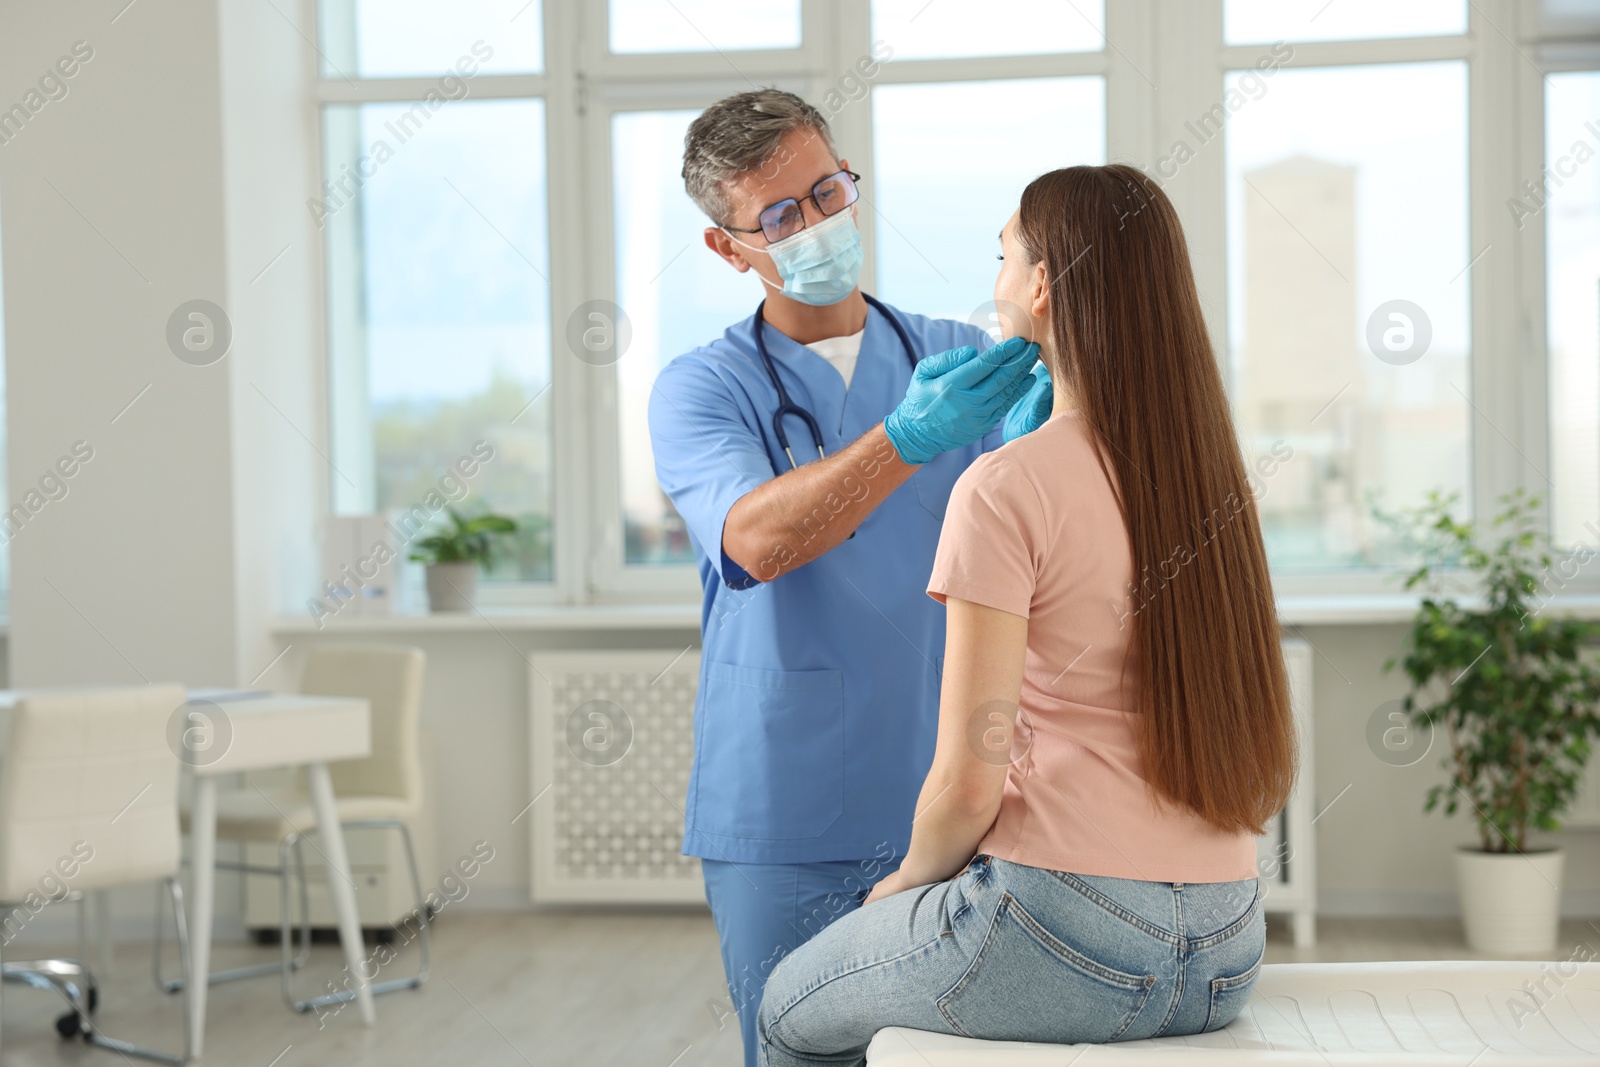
x=1033, y=529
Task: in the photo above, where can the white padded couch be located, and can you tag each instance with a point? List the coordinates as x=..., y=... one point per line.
x=1334, y=1014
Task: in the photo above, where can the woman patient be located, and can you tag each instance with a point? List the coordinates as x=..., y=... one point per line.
x=1084, y=868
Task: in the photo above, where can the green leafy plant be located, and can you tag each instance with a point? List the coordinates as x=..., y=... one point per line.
x=464, y=540
x=1508, y=686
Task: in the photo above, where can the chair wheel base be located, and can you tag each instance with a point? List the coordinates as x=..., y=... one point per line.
x=70, y=1024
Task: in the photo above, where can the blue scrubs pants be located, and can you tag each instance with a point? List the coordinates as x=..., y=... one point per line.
x=764, y=911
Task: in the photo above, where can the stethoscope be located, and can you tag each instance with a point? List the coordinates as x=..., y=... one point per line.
x=788, y=407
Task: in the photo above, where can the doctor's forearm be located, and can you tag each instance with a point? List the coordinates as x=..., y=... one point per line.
x=800, y=515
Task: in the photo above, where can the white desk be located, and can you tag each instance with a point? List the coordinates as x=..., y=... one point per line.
x=276, y=730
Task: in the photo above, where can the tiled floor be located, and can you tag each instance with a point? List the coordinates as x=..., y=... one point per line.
x=640, y=989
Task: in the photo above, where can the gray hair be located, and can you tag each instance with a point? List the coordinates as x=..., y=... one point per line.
x=737, y=134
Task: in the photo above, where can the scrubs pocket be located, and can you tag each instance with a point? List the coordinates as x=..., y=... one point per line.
x=772, y=753
x=1229, y=996
x=1025, y=985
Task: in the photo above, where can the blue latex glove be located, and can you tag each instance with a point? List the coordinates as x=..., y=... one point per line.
x=957, y=397
x=1029, y=413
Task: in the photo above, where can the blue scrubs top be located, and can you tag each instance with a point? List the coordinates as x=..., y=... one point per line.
x=819, y=692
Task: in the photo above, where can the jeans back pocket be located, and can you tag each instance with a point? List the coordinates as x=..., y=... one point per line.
x=1026, y=985
x=1229, y=995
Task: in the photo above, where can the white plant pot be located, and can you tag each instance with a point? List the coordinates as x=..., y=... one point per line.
x=1510, y=902
x=451, y=586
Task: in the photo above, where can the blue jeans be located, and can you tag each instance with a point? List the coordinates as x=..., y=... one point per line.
x=1014, y=953
x=764, y=911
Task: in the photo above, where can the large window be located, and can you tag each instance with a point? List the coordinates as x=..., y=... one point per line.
x=678, y=296
x=933, y=228
x=438, y=296
x=1348, y=305
x=503, y=178
x=938, y=226
x=951, y=155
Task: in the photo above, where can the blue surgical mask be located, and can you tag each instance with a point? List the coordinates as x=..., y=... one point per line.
x=821, y=264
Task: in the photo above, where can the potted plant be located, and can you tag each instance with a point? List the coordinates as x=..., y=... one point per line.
x=1511, y=691
x=455, y=553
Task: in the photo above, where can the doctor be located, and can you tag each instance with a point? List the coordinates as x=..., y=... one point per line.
x=786, y=445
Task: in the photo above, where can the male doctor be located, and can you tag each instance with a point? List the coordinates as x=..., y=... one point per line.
x=819, y=680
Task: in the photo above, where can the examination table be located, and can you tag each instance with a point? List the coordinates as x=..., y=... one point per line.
x=1333, y=1014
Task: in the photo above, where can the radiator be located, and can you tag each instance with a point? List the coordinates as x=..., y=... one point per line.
x=612, y=739
x=1287, y=854
x=1585, y=810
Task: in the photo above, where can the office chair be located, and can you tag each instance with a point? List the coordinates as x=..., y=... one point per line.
x=88, y=800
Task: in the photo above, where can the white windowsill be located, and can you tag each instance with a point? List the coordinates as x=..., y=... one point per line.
x=1400, y=608
x=490, y=619
x=1389, y=609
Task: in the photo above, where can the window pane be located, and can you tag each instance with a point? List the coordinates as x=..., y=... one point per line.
x=677, y=295
x=1348, y=300
x=929, y=29
x=428, y=38
x=439, y=313
x=1571, y=217
x=1255, y=21
x=937, y=226
x=704, y=25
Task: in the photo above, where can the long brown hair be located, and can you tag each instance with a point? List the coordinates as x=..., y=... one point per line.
x=1131, y=343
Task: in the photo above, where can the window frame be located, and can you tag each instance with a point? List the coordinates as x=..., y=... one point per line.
x=584, y=86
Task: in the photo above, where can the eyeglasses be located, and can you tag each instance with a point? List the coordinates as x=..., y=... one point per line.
x=785, y=219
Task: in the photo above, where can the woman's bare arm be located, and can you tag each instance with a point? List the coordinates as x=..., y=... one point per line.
x=983, y=658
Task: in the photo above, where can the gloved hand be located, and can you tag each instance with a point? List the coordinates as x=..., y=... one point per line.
x=958, y=396
x=1029, y=413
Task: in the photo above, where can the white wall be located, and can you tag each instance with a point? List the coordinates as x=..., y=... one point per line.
x=274, y=255
x=156, y=180
x=113, y=216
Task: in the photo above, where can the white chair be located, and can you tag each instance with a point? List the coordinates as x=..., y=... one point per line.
x=383, y=791
x=88, y=800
